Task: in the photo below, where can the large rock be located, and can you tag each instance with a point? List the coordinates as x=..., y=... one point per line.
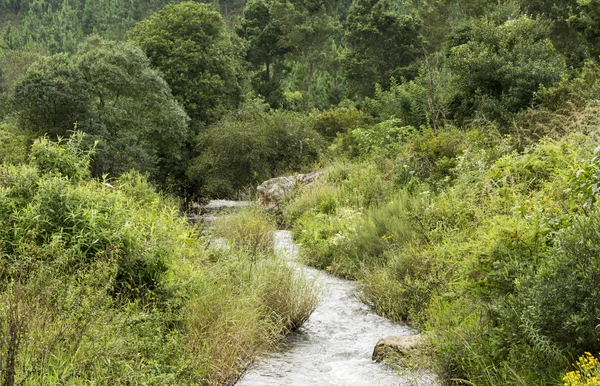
x=398, y=345
x=274, y=191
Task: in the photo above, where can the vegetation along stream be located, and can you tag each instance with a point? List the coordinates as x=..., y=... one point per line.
x=334, y=346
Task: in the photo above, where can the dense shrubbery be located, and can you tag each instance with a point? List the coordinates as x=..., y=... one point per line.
x=109, y=91
x=461, y=192
x=105, y=283
x=252, y=145
x=492, y=252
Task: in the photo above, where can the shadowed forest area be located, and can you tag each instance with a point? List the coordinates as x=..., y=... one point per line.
x=461, y=143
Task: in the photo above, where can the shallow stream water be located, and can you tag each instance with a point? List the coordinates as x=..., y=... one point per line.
x=334, y=346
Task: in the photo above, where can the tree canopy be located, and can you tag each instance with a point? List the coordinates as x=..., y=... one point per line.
x=189, y=43
x=108, y=90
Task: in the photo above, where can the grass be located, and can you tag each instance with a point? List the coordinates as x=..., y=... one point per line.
x=466, y=244
x=107, y=284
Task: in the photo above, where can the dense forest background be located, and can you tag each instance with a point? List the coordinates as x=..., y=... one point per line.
x=187, y=76
x=460, y=143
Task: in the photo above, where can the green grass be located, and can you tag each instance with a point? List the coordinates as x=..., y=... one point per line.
x=466, y=240
x=104, y=283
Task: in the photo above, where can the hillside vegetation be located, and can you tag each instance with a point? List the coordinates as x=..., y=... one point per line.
x=461, y=142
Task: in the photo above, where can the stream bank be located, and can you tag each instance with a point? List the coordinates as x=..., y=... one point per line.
x=334, y=346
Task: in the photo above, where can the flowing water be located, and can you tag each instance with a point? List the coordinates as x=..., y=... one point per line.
x=334, y=346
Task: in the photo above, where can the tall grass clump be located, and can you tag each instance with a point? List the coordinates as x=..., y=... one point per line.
x=250, y=229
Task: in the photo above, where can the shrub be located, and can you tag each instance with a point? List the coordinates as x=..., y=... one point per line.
x=106, y=283
x=404, y=101
x=249, y=146
x=500, y=67
x=339, y=120
x=563, y=294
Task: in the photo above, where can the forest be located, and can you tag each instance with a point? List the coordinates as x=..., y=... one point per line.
x=460, y=140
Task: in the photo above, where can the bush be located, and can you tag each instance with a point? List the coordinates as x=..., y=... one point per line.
x=404, y=101
x=500, y=67
x=563, y=294
x=249, y=146
x=339, y=120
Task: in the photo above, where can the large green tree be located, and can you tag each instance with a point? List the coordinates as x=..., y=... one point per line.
x=189, y=43
x=133, y=113
x=110, y=91
x=500, y=67
x=263, y=32
x=309, y=27
x=383, y=44
x=52, y=96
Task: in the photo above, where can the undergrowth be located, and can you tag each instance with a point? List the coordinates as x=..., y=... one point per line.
x=487, y=247
x=102, y=282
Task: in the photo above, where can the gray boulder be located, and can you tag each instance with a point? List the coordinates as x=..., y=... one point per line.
x=399, y=345
x=272, y=192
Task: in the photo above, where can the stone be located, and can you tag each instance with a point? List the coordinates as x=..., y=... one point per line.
x=217, y=205
x=272, y=192
x=305, y=179
x=399, y=345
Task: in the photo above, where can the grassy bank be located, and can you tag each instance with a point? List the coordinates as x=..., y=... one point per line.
x=104, y=283
x=487, y=246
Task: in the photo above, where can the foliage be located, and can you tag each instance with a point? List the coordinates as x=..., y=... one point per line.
x=482, y=249
x=263, y=31
x=123, y=85
x=102, y=91
x=563, y=289
x=189, y=43
x=55, y=26
x=339, y=120
x=52, y=96
x=250, y=229
x=501, y=66
x=384, y=45
x=105, y=282
x=308, y=30
x=13, y=65
x=250, y=146
x=13, y=143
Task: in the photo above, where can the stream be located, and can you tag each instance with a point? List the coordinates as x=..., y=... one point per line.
x=335, y=344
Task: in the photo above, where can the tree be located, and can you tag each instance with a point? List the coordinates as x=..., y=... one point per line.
x=110, y=91
x=133, y=113
x=263, y=33
x=383, y=44
x=500, y=67
x=110, y=18
x=55, y=27
x=589, y=23
x=190, y=45
x=566, y=26
x=52, y=96
x=308, y=26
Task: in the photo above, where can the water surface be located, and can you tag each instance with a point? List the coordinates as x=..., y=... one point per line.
x=334, y=346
